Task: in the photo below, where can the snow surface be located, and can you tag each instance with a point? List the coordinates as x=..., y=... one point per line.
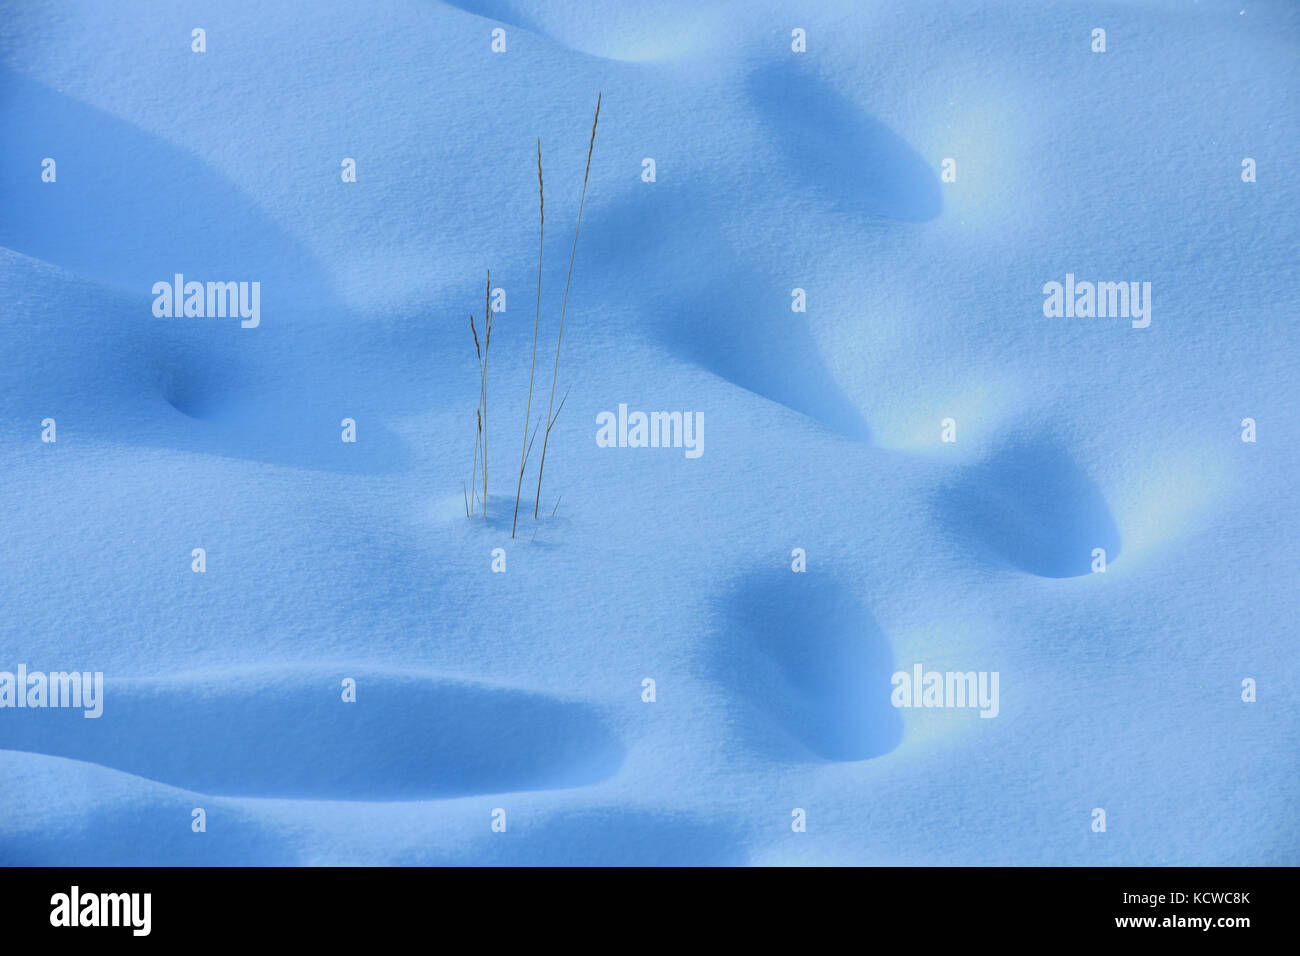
x=522, y=691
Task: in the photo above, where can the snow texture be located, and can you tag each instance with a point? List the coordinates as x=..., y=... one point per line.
x=522, y=691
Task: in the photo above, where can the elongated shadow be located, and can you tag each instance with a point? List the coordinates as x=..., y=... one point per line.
x=1029, y=507
x=810, y=666
x=712, y=307
x=128, y=208
x=849, y=157
x=267, y=734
